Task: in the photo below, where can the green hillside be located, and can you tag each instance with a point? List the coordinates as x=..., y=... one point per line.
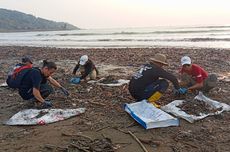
x=11, y=21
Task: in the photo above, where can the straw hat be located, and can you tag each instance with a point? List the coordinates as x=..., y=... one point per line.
x=159, y=58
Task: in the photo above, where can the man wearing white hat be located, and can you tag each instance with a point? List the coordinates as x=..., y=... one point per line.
x=86, y=68
x=150, y=82
x=196, y=78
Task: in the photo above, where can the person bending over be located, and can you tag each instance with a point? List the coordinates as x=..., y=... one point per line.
x=86, y=68
x=35, y=85
x=150, y=82
x=194, y=77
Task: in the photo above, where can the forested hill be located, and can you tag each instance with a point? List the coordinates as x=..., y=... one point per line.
x=11, y=21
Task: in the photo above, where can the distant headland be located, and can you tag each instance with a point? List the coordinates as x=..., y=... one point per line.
x=14, y=21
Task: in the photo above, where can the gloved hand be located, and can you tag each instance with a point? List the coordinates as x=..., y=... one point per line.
x=46, y=104
x=76, y=80
x=181, y=91
x=64, y=91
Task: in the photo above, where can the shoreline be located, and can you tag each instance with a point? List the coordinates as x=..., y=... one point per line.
x=124, y=47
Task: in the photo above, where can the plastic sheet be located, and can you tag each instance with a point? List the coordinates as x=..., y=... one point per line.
x=120, y=82
x=176, y=111
x=41, y=117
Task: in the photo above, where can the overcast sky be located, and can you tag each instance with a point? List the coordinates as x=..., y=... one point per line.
x=126, y=13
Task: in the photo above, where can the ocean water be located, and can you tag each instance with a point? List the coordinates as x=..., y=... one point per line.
x=208, y=37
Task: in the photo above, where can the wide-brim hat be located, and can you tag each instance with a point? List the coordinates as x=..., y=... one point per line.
x=159, y=58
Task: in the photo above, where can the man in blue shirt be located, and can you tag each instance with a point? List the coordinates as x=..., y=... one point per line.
x=34, y=84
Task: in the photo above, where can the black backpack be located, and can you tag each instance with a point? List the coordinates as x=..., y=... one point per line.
x=14, y=80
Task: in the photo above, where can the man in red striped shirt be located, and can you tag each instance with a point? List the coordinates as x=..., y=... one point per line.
x=196, y=78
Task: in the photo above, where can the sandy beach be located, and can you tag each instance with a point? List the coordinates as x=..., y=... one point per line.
x=104, y=117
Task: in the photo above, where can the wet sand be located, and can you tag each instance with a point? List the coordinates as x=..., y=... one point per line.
x=104, y=117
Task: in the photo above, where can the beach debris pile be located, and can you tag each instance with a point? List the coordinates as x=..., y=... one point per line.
x=109, y=80
x=80, y=142
x=196, y=107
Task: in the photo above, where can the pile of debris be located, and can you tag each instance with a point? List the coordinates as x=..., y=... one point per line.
x=109, y=80
x=196, y=107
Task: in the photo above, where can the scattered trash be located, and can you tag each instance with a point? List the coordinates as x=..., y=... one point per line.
x=120, y=82
x=76, y=80
x=96, y=145
x=212, y=107
x=3, y=84
x=88, y=89
x=149, y=116
x=196, y=107
x=41, y=117
x=224, y=78
x=110, y=81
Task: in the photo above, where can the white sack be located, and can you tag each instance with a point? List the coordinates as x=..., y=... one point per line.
x=149, y=116
x=30, y=116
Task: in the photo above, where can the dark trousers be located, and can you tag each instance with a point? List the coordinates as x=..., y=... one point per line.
x=45, y=91
x=160, y=85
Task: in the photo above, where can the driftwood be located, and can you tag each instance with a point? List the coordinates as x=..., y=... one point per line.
x=102, y=128
x=66, y=134
x=97, y=103
x=139, y=142
x=150, y=141
x=129, y=132
x=80, y=148
x=50, y=146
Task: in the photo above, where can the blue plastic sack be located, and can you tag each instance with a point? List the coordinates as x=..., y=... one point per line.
x=76, y=80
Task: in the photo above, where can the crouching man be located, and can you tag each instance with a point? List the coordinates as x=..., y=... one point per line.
x=86, y=68
x=34, y=84
x=193, y=77
x=150, y=82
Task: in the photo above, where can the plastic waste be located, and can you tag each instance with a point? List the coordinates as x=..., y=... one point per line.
x=176, y=111
x=3, y=84
x=44, y=116
x=76, y=80
x=120, y=82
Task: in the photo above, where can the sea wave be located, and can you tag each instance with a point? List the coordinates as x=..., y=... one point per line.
x=138, y=33
x=143, y=40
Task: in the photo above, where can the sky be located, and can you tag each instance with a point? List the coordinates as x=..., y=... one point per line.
x=126, y=13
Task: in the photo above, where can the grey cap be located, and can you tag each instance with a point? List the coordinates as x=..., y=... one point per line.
x=26, y=59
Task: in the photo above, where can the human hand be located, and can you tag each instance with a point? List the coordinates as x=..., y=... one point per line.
x=64, y=91
x=181, y=91
x=46, y=104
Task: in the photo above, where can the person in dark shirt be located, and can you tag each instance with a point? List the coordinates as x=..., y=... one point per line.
x=34, y=84
x=86, y=68
x=150, y=82
x=26, y=60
